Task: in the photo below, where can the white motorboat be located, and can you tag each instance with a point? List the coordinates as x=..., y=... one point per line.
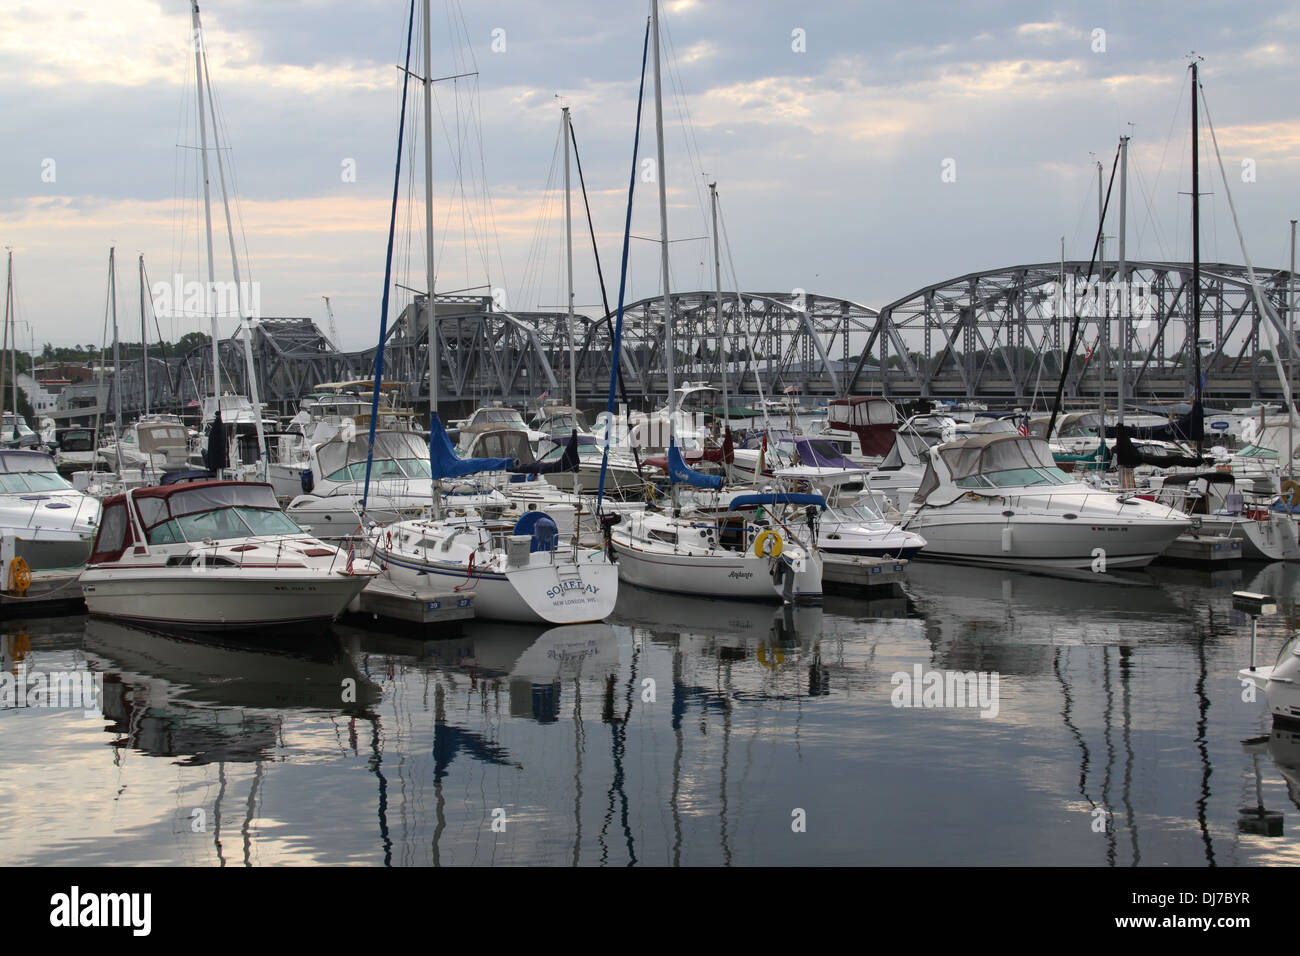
x=1000, y=500
x=1225, y=504
x=400, y=483
x=1280, y=682
x=214, y=555
x=851, y=523
x=46, y=526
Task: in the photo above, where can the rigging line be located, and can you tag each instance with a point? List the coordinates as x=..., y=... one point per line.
x=388, y=266
x=615, y=360
x=531, y=282
x=171, y=386
x=1074, y=329
x=1266, y=316
x=684, y=116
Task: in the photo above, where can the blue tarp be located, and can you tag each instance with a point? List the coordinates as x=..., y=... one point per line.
x=679, y=474
x=443, y=462
x=776, y=498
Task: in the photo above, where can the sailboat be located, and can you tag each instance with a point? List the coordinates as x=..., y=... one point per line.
x=736, y=554
x=520, y=571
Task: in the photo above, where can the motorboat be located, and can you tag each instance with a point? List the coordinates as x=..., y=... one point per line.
x=214, y=555
x=851, y=523
x=400, y=486
x=1279, y=682
x=46, y=527
x=1000, y=500
x=862, y=426
x=1224, y=504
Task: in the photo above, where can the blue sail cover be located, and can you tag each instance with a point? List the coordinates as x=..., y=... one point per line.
x=444, y=463
x=679, y=474
x=567, y=462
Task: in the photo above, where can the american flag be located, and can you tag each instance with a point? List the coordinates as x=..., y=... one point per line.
x=1023, y=428
x=352, y=553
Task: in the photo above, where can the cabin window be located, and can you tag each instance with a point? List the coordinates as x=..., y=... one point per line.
x=166, y=533
x=668, y=536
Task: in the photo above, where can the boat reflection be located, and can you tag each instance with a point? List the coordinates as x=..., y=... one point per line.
x=208, y=698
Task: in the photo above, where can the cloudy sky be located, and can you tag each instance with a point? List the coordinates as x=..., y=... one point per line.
x=860, y=150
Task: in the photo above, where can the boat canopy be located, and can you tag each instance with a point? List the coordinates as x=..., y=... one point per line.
x=861, y=410
x=341, y=460
x=567, y=462
x=985, y=454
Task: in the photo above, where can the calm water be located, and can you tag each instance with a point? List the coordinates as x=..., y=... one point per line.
x=683, y=732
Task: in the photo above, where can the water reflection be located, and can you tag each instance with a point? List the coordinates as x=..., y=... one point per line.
x=687, y=731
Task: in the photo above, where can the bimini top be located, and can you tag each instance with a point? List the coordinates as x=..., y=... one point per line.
x=201, y=510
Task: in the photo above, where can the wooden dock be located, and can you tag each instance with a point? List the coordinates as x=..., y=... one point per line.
x=1203, y=549
x=852, y=573
x=382, y=598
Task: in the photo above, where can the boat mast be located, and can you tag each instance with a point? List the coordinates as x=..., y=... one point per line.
x=9, y=298
x=669, y=357
x=1103, y=317
x=434, y=358
x=1290, y=332
x=144, y=341
x=1122, y=273
x=1196, y=268
x=117, y=354
x=568, y=246
x=207, y=201
x=717, y=279
x=253, y=395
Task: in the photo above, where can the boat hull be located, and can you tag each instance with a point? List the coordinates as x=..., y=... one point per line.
x=558, y=591
x=731, y=576
x=215, y=600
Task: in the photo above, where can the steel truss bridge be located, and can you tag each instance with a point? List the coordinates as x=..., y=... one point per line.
x=997, y=336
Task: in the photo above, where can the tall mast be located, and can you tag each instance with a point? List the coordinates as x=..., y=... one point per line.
x=144, y=340
x=568, y=241
x=207, y=201
x=1103, y=318
x=669, y=356
x=717, y=280
x=117, y=354
x=1290, y=333
x=1196, y=263
x=9, y=298
x=432, y=349
x=253, y=395
x=1125, y=298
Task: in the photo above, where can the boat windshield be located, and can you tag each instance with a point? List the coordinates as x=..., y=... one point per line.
x=214, y=512
x=24, y=473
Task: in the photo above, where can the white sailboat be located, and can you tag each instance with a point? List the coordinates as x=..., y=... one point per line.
x=520, y=571
x=693, y=551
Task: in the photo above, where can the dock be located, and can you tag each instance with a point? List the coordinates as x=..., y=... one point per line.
x=850, y=573
x=382, y=598
x=1203, y=549
x=48, y=590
